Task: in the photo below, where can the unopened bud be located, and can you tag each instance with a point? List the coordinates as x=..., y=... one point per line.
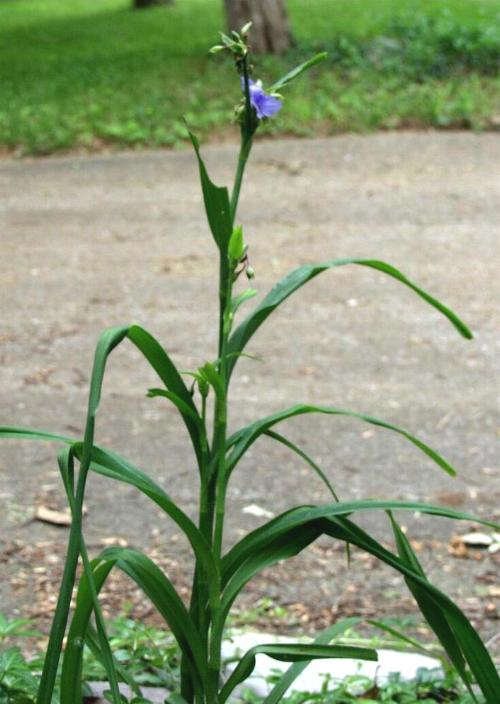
x=236, y=246
x=249, y=271
x=246, y=28
x=203, y=387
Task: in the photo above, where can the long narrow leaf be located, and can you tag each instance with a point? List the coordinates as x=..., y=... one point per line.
x=178, y=403
x=302, y=515
x=245, y=437
x=284, y=547
x=434, y=615
x=295, y=670
x=160, y=591
x=168, y=373
x=297, y=278
x=295, y=72
x=66, y=466
x=216, y=201
x=92, y=642
x=14, y=432
x=291, y=653
x=471, y=645
x=111, y=465
x=298, y=451
x=108, y=340
x=71, y=673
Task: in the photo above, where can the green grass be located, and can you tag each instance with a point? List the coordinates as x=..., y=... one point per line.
x=82, y=73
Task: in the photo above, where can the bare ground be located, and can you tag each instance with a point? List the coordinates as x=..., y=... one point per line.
x=105, y=240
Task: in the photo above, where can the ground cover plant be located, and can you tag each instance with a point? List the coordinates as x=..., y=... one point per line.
x=86, y=73
x=151, y=657
x=201, y=398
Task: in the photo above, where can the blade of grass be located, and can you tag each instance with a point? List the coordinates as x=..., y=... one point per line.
x=291, y=653
x=108, y=340
x=295, y=670
x=302, y=515
x=471, y=645
x=160, y=591
x=244, y=438
x=297, y=278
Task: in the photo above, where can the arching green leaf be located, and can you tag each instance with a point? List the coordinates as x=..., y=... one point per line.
x=295, y=72
x=295, y=670
x=108, y=340
x=291, y=653
x=434, y=615
x=302, y=515
x=471, y=645
x=168, y=373
x=110, y=464
x=297, y=278
x=298, y=451
x=242, y=439
x=159, y=590
x=19, y=433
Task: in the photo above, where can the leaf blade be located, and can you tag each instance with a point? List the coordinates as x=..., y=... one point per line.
x=298, y=277
x=291, y=653
x=297, y=71
x=217, y=205
x=242, y=439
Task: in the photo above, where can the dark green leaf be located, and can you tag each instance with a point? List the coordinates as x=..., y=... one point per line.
x=92, y=642
x=108, y=340
x=291, y=653
x=160, y=591
x=112, y=465
x=242, y=439
x=216, y=201
x=434, y=614
x=471, y=645
x=167, y=371
x=297, y=278
x=302, y=515
x=295, y=670
x=178, y=403
x=298, y=451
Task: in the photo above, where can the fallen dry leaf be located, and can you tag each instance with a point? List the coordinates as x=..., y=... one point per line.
x=49, y=515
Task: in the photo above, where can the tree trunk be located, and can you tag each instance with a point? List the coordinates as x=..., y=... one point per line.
x=141, y=4
x=270, y=29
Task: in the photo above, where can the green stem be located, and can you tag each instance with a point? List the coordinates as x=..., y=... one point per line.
x=59, y=623
x=220, y=422
x=58, y=629
x=215, y=497
x=66, y=467
x=200, y=587
x=246, y=146
x=247, y=131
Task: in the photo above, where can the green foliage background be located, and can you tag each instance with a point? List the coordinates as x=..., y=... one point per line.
x=80, y=73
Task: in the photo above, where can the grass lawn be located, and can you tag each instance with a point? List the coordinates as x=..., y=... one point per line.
x=81, y=73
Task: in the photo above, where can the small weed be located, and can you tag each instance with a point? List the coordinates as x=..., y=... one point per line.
x=149, y=655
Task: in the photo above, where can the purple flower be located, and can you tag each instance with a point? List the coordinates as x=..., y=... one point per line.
x=265, y=105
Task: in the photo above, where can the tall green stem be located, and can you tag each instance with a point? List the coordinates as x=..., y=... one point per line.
x=246, y=146
x=59, y=623
x=219, y=481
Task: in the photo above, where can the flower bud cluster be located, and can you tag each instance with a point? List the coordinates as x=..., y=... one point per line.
x=236, y=44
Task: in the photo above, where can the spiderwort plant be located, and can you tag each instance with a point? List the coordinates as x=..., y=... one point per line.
x=219, y=577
